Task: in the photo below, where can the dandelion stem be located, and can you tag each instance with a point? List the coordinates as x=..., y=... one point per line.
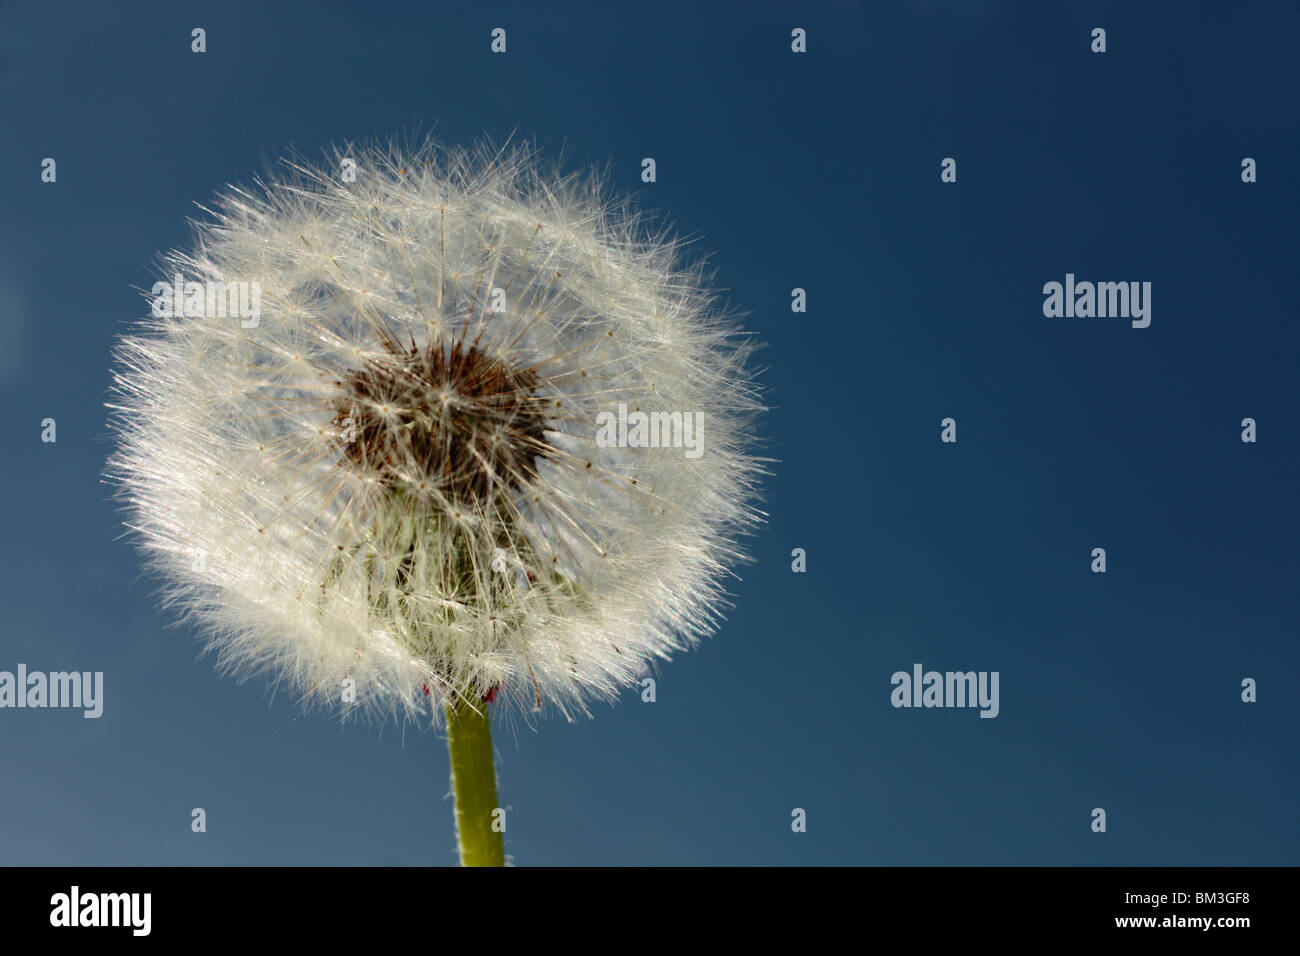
x=474, y=782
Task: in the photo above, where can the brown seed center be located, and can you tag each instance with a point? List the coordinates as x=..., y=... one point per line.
x=451, y=419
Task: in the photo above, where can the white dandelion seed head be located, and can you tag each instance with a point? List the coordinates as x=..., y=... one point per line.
x=394, y=476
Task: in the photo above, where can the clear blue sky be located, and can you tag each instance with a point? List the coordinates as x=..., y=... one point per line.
x=819, y=171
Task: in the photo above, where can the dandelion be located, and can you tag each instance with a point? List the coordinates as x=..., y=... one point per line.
x=384, y=484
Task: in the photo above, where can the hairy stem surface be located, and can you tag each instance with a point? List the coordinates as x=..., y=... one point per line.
x=474, y=783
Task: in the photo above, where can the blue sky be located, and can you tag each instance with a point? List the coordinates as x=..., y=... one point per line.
x=820, y=171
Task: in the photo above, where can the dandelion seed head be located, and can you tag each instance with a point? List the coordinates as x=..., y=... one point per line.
x=393, y=476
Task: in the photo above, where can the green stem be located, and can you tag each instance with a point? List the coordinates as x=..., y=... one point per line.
x=474, y=782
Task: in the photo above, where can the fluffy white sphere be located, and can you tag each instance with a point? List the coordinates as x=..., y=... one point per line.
x=386, y=479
